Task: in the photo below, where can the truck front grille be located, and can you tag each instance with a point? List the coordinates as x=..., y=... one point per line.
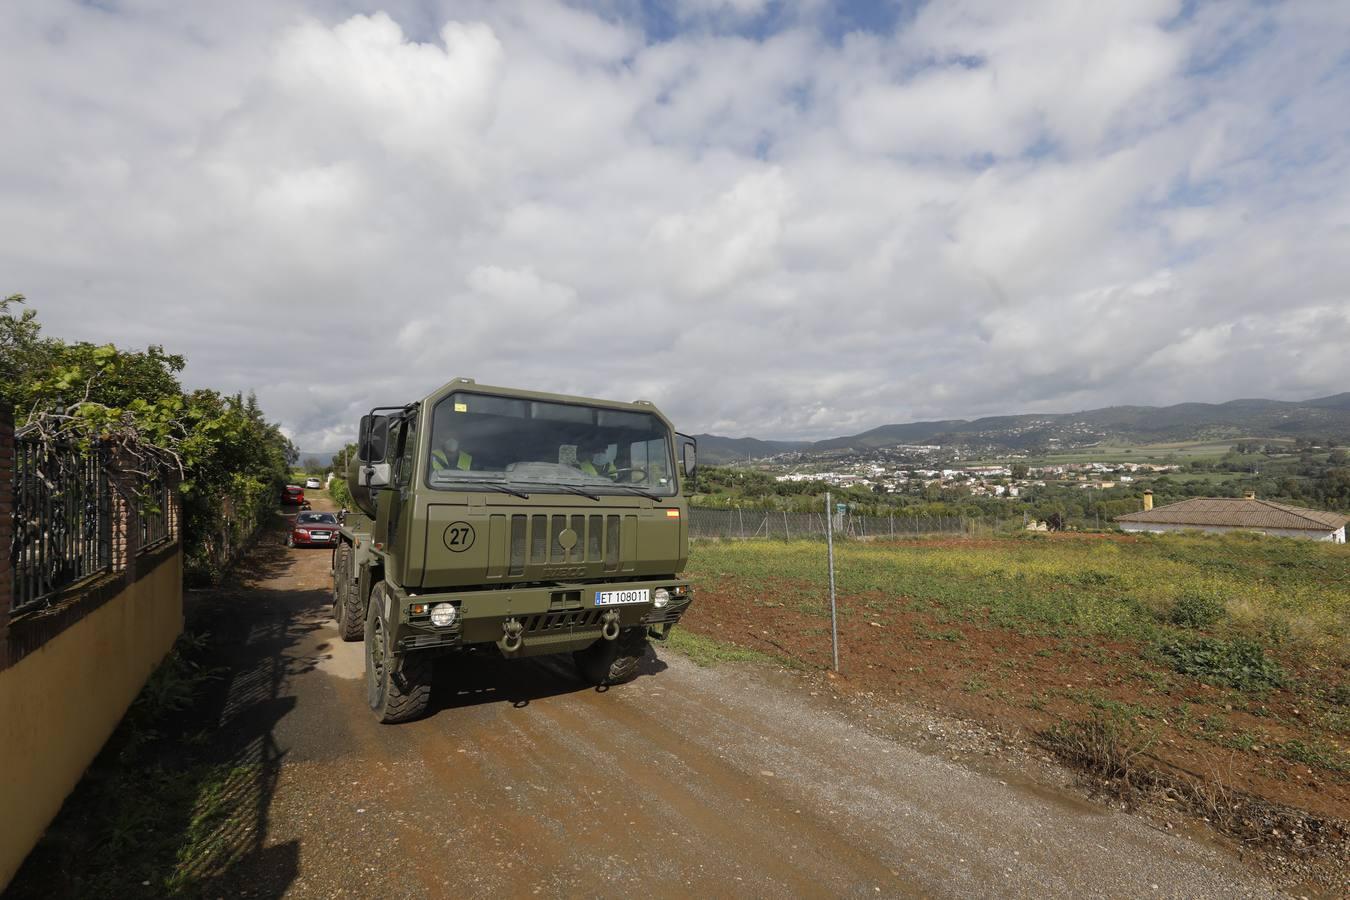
x=536, y=540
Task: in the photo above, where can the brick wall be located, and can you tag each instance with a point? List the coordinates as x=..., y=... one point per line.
x=6, y=525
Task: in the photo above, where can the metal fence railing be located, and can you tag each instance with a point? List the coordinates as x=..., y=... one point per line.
x=760, y=523
x=62, y=520
x=154, y=515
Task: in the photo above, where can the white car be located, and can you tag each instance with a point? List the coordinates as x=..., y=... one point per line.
x=313, y=483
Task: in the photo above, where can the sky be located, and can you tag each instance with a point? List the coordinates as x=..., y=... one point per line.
x=789, y=220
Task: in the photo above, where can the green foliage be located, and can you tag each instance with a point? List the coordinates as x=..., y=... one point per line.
x=1193, y=610
x=1312, y=752
x=705, y=651
x=232, y=461
x=338, y=490
x=1236, y=663
x=236, y=462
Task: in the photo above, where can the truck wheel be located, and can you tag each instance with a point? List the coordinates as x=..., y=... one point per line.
x=346, y=598
x=393, y=696
x=613, y=662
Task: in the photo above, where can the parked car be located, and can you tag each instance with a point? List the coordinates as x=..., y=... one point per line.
x=313, y=529
x=313, y=484
x=292, y=495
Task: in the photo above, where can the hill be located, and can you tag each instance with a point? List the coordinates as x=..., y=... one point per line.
x=1323, y=417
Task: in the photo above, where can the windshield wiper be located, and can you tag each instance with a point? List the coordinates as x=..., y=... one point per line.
x=574, y=490
x=495, y=485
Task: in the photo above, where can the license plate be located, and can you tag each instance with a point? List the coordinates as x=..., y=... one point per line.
x=615, y=598
x=319, y=535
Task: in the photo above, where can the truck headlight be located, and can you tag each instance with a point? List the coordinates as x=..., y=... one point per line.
x=660, y=597
x=443, y=615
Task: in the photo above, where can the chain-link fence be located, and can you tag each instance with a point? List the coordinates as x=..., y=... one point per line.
x=761, y=523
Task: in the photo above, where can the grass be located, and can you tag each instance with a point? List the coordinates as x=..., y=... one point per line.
x=705, y=651
x=1278, y=593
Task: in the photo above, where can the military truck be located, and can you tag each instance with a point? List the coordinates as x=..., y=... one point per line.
x=511, y=522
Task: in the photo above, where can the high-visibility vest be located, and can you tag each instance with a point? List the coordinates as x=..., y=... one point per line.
x=440, y=461
x=589, y=468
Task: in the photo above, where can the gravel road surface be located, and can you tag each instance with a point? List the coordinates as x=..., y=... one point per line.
x=733, y=780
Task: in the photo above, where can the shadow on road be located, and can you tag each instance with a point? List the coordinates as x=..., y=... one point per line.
x=483, y=676
x=178, y=800
x=254, y=631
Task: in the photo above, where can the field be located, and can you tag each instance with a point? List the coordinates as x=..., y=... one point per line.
x=1224, y=659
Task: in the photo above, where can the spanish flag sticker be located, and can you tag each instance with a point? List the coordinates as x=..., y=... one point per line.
x=461, y=407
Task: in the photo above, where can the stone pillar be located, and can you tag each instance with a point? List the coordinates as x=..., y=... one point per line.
x=6, y=527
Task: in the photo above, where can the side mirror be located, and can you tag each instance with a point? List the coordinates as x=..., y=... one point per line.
x=373, y=441
x=688, y=455
x=375, y=475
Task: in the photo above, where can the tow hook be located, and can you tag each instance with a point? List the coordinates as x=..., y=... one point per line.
x=511, y=639
x=610, y=629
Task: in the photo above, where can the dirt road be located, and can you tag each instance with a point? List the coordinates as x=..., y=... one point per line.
x=686, y=782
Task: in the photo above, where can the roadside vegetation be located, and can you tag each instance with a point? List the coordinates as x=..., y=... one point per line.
x=1220, y=660
x=229, y=460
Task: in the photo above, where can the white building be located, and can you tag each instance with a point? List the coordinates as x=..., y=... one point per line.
x=1221, y=514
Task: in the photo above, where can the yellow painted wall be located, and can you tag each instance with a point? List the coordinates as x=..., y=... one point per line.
x=59, y=704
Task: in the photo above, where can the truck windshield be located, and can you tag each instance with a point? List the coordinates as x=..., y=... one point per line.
x=539, y=445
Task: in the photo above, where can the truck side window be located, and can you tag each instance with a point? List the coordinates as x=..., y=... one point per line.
x=407, y=446
x=650, y=461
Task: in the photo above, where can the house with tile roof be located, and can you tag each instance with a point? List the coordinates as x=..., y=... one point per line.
x=1220, y=514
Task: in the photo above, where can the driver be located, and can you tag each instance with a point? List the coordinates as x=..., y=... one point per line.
x=450, y=456
x=599, y=463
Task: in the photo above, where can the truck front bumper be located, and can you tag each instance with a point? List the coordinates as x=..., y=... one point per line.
x=547, y=619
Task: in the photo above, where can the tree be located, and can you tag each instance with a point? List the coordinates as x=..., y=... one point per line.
x=1020, y=470
x=222, y=447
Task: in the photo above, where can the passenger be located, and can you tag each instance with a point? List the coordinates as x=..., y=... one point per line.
x=450, y=456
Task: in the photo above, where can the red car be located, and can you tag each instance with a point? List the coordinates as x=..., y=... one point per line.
x=292, y=495
x=313, y=529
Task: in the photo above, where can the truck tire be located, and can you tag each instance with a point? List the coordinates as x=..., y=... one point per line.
x=351, y=621
x=393, y=696
x=613, y=662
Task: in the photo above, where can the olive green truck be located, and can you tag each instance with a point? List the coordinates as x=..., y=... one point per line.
x=533, y=523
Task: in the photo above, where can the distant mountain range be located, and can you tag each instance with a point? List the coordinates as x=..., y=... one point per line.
x=1324, y=417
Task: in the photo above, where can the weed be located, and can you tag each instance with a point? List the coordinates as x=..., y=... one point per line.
x=1195, y=611
x=975, y=685
x=1315, y=753
x=1237, y=663
x=1103, y=747
x=951, y=635
x=704, y=651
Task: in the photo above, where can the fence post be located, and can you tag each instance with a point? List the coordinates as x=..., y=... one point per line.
x=740, y=517
x=892, y=518
x=6, y=527
x=787, y=532
x=829, y=541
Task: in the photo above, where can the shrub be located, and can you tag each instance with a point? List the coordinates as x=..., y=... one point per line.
x=1195, y=611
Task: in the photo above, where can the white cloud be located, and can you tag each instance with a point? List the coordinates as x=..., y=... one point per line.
x=993, y=208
